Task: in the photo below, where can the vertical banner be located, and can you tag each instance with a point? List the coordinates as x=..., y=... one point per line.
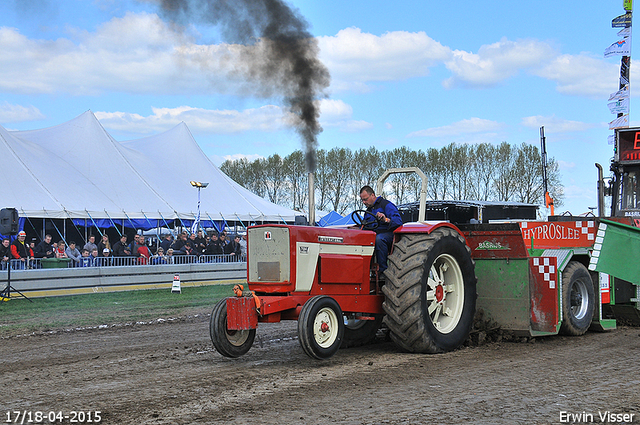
x=622, y=47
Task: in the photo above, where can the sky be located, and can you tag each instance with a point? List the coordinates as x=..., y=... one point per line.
x=411, y=73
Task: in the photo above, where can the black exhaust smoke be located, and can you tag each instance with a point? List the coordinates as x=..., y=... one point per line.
x=284, y=61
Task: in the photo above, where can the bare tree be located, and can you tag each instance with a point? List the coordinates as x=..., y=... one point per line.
x=435, y=171
x=297, y=180
x=367, y=167
x=339, y=163
x=322, y=181
x=274, y=178
x=481, y=172
x=528, y=167
x=506, y=177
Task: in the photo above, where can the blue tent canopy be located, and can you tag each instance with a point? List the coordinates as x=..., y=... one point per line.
x=335, y=219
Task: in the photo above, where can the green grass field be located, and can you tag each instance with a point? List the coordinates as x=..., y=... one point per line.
x=19, y=316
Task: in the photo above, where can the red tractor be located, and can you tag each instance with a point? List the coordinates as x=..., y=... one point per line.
x=323, y=278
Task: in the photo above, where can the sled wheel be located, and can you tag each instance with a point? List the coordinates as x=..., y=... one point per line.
x=578, y=299
x=430, y=294
x=359, y=332
x=229, y=343
x=320, y=327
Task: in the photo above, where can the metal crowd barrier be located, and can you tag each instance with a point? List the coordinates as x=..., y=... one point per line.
x=58, y=263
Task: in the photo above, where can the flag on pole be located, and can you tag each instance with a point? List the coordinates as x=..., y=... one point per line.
x=623, y=93
x=619, y=48
x=621, y=21
x=620, y=106
x=621, y=122
x=625, y=32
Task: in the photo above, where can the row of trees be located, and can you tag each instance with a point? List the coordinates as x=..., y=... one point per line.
x=466, y=172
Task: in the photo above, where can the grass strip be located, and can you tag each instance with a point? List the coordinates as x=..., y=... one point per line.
x=19, y=316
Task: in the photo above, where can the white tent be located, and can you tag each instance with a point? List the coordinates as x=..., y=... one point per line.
x=77, y=170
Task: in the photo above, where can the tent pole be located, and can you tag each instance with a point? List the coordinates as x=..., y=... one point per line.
x=34, y=227
x=245, y=227
x=213, y=223
x=58, y=230
x=114, y=224
x=94, y=223
x=224, y=222
x=181, y=222
x=157, y=225
x=132, y=223
x=165, y=222
x=76, y=227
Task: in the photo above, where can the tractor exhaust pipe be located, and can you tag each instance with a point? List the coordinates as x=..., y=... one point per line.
x=600, y=190
x=312, y=200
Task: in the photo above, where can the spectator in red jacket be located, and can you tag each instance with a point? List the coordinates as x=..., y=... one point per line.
x=20, y=250
x=142, y=251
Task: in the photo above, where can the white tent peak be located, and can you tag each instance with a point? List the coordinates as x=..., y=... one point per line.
x=78, y=170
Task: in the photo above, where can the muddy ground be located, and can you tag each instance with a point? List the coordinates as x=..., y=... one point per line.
x=167, y=372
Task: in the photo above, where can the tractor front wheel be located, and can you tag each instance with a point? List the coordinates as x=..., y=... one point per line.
x=229, y=343
x=430, y=293
x=320, y=327
x=578, y=299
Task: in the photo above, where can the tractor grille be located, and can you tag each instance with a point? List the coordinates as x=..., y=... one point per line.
x=269, y=254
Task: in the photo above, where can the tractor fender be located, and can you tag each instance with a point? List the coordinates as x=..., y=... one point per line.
x=426, y=227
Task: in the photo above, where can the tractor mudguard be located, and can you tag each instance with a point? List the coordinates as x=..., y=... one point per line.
x=241, y=313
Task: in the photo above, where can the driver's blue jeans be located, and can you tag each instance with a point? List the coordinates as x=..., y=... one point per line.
x=383, y=246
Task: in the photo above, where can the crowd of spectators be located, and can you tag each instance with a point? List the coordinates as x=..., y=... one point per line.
x=200, y=247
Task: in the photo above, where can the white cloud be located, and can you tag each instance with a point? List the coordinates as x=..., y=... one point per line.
x=19, y=113
x=555, y=124
x=238, y=156
x=266, y=118
x=496, y=62
x=566, y=166
x=336, y=113
x=583, y=75
x=137, y=53
x=355, y=58
x=467, y=126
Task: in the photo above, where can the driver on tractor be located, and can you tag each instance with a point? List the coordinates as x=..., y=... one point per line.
x=388, y=220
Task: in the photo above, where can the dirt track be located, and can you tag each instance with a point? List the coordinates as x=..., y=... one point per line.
x=169, y=373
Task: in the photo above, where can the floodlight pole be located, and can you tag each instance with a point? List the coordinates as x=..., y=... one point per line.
x=197, y=185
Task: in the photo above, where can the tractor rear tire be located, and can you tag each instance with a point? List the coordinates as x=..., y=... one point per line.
x=430, y=293
x=360, y=332
x=578, y=299
x=320, y=327
x=229, y=343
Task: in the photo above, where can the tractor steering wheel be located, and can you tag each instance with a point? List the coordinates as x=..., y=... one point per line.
x=365, y=219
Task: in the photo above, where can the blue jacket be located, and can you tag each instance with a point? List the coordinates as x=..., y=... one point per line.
x=85, y=262
x=390, y=211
